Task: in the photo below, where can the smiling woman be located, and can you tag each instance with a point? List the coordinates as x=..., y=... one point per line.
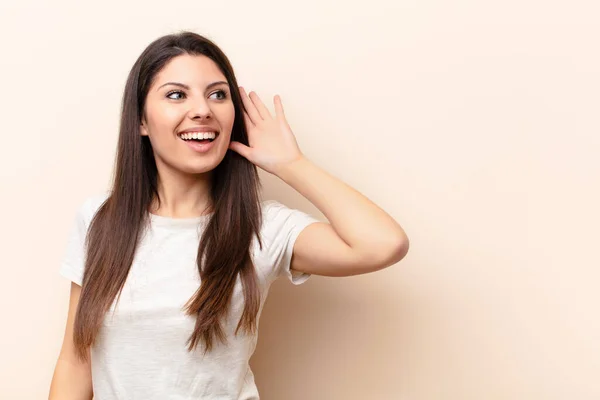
x=190, y=96
x=170, y=268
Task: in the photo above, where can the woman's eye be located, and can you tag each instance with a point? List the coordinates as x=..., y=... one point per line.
x=181, y=95
x=223, y=94
x=175, y=92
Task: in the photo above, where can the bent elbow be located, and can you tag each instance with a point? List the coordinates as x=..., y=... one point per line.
x=401, y=249
x=391, y=254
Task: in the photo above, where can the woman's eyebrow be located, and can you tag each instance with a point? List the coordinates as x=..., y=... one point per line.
x=182, y=85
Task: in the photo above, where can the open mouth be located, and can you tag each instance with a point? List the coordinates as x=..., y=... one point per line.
x=199, y=137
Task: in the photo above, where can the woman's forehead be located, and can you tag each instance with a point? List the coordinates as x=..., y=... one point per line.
x=190, y=70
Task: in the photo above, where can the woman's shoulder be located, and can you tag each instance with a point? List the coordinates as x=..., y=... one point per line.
x=274, y=213
x=91, y=204
x=280, y=222
x=268, y=207
x=280, y=228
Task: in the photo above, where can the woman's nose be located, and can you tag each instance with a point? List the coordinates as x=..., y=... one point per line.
x=200, y=109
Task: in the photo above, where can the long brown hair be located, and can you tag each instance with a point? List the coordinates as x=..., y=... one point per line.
x=116, y=229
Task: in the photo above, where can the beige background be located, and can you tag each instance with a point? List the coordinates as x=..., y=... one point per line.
x=474, y=123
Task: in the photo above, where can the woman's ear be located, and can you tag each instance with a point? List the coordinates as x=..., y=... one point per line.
x=143, y=130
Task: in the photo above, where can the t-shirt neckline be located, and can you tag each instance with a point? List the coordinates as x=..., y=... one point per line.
x=159, y=220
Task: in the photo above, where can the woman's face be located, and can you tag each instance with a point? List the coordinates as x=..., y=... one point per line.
x=189, y=94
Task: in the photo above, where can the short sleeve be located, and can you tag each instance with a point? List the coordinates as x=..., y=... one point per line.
x=282, y=226
x=73, y=261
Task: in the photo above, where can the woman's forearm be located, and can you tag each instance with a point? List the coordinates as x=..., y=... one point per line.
x=362, y=224
x=71, y=381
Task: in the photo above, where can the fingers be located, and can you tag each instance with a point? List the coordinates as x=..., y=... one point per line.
x=253, y=113
x=256, y=109
x=262, y=109
x=248, y=121
x=240, y=148
x=278, y=107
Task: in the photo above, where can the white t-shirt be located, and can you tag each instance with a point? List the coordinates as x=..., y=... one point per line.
x=140, y=351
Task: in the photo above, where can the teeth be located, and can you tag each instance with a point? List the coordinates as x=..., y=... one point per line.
x=198, y=135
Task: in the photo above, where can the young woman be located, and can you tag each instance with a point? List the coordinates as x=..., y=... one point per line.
x=171, y=267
